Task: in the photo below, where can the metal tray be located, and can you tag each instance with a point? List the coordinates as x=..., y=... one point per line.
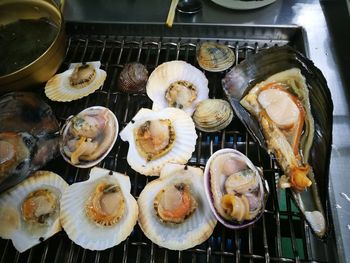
x=280, y=235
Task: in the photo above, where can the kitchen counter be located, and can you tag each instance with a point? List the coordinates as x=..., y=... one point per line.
x=327, y=27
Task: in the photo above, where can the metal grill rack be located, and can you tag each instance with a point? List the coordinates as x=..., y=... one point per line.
x=281, y=235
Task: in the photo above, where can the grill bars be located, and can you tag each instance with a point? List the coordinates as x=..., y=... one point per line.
x=280, y=236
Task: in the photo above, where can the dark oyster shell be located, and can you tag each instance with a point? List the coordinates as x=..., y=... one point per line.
x=133, y=77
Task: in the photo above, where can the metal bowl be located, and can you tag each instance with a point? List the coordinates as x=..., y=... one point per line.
x=45, y=65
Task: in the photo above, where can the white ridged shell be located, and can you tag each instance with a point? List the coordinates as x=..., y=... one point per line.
x=170, y=72
x=83, y=231
x=195, y=229
x=182, y=149
x=58, y=87
x=10, y=205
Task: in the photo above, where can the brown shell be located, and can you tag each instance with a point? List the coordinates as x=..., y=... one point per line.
x=133, y=78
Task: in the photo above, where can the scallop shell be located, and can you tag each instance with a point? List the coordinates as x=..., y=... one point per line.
x=212, y=115
x=184, y=144
x=59, y=88
x=215, y=57
x=83, y=231
x=195, y=229
x=169, y=73
x=133, y=77
x=105, y=141
x=25, y=235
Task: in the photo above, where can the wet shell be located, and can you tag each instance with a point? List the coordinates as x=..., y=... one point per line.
x=183, y=140
x=177, y=84
x=133, y=78
x=89, y=136
x=215, y=57
x=212, y=115
x=80, y=80
x=84, y=230
x=189, y=232
x=19, y=222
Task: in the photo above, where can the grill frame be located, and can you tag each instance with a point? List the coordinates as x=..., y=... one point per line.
x=151, y=44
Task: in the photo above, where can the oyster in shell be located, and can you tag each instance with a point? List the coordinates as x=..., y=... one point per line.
x=133, y=77
x=284, y=101
x=175, y=213
x=99, y=213
x=89, y=136
x=29, y=212
x=177, y=84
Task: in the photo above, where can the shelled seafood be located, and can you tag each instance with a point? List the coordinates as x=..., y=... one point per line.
x=177, y=84
x=78, y=81
x=29, y=212
x=133, y=77
x=99, y=213
x=235, y=190
x=290, y=114
x=28, y=136
x=89, y=136
x=174, y=213
x=159, y=137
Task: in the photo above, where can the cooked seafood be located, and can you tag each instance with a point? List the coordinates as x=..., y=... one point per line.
x=158, y=137
x=234, y=188
x=174, y=213
x=291, y=117
x=28, y=136
x=212, y=115
x=177, y=84
x=29, y=212
x=78, y=81
x=215, y=57
x=99, y=213
x=133, y=77
x=89, y=136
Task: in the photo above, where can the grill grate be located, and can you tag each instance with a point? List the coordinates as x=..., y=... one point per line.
x=281, y=235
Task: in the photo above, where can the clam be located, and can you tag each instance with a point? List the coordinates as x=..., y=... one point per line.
x=234, y=188
x=288, y=109
x=89, y=136
x=212, y=115
x=215, y=57
x=133, y=77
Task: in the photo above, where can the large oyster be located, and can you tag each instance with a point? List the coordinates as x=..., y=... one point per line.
x=28, y=136
x=288, y=109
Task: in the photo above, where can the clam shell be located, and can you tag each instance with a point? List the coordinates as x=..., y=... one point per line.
x=215, y=57
x=195, y=229
x=182, y=149
x=261, y=66
x=169, y=72
x=13, y=226
x=58, y=88
x=212, y=115
x=83, y=231
x=133, y=78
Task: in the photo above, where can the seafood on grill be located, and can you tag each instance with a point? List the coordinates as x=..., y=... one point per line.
x=29, y=136
x=175, y=213
x=29, y=212
x=235, y=189
x=177, y=84
x=89, y=136
x=99, y=213
x=78, y=81
x=288, y=109
x=133, y=78
x=212, y=115
x=214, y=57
x=159, y=137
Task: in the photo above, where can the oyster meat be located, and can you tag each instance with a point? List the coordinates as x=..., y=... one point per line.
x=290, y=110
x=133, y=77
x=174, y=213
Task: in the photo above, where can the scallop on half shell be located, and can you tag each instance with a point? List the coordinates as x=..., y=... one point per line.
x=177, y=84
x=89, y=136
x=29, y=212
x=234, y=188
x=99, y=213
x=80, y=80
x=159, y=137
x=175, y=213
